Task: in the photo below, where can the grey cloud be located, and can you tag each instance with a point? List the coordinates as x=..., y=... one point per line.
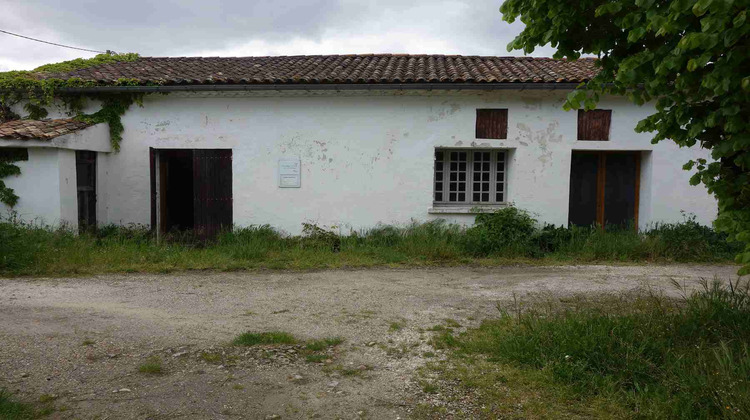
x=172, y=27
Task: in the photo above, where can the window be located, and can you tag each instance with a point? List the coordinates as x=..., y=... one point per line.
x=13, y=154
x=492, y=124
x=469, y=176
x=594, y=124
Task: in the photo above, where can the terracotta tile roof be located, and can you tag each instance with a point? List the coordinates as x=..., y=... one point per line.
x=40, y=129
x=346, y=69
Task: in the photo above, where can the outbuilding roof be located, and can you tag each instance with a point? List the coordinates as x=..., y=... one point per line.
x=40, y=129
x=336, y=69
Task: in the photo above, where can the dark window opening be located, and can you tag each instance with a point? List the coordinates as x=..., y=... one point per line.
x=492, y=124
x=86, y=187
x=594, y=124
x=13, y=154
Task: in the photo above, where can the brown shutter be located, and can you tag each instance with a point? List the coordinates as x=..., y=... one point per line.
x=594, y=124
x=492, y=124
x=212, y=191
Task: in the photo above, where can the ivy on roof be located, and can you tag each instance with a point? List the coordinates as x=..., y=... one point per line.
x=39, y=92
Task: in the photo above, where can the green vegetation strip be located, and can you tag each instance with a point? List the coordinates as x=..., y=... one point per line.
x=273, y=337
x=626, y=357
x=508, y=236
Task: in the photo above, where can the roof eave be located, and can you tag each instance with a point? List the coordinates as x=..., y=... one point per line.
x=326, y=86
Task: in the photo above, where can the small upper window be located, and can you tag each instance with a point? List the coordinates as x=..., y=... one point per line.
x=594, y=124
x=492, y=124
x=13, y=154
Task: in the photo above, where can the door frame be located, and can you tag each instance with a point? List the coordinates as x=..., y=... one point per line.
x=158, y=184
x=601, y=181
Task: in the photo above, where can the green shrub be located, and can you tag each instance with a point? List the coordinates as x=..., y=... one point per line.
x=508, y=231
x=691, y=241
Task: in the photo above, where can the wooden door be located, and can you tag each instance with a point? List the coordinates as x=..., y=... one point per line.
x=86, y=187
x=212, y=191
x=582, y=205
x=604, y=188
x=620, y=188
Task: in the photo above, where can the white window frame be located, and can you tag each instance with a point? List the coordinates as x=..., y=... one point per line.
x=469, y=198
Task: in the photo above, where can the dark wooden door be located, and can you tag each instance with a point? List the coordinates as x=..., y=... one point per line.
x=620, y=189
x=212, y=191
x=582, y=206
x=86, y=187
x=604, y=188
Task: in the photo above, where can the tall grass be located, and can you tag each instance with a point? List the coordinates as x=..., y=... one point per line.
x=507, y=236
x=658, y=357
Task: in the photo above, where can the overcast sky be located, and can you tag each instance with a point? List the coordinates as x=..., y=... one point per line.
x=251, y=27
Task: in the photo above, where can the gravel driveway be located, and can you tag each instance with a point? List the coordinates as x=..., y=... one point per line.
x=78, y=342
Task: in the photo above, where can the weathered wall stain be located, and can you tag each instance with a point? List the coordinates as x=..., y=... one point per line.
x=541, y=138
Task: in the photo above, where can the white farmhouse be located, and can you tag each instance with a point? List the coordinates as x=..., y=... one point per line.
x=350, y=141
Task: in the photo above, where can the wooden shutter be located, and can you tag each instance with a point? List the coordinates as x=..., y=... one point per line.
x=212, y=191
x=492, y=124
x=86, y=187
x=594, y=124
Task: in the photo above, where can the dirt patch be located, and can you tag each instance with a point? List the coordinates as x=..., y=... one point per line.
x=80, y=342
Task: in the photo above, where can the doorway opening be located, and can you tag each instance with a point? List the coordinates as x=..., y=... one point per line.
x=604, y=188
x=191, y=190
x=176, y=190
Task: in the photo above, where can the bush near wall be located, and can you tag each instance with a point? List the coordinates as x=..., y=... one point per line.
x=507, y=236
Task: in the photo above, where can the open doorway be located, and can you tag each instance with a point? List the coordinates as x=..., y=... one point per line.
x=176, y=190
x=191, y=190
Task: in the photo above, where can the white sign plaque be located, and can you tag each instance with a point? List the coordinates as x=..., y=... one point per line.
x=289, y=173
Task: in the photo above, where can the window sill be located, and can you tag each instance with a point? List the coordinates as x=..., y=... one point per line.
x=467, y=209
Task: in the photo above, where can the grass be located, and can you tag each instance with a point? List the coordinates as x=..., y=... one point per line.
x=211, y=357
x=273, y=337
x=317, y=358
x=10, y=409
x=642, y=356
x=318, y=345
x=152, y=366
x=31, y=249
x=396, y=326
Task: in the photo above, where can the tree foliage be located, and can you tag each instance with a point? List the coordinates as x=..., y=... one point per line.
x=690, y=59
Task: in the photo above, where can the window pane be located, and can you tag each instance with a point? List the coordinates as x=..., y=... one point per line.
x=459, y=176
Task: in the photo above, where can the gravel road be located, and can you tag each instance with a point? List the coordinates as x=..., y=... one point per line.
x=79, y=342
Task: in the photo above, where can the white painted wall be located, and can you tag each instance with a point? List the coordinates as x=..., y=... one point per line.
x=46, y=187
x=367, y=158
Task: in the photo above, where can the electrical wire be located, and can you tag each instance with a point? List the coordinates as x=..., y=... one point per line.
x=52, y=43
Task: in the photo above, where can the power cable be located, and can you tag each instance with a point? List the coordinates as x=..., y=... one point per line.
x=52, y=43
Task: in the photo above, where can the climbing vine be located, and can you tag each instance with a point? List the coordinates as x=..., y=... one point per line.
x=7, y=195
x=41, y=86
